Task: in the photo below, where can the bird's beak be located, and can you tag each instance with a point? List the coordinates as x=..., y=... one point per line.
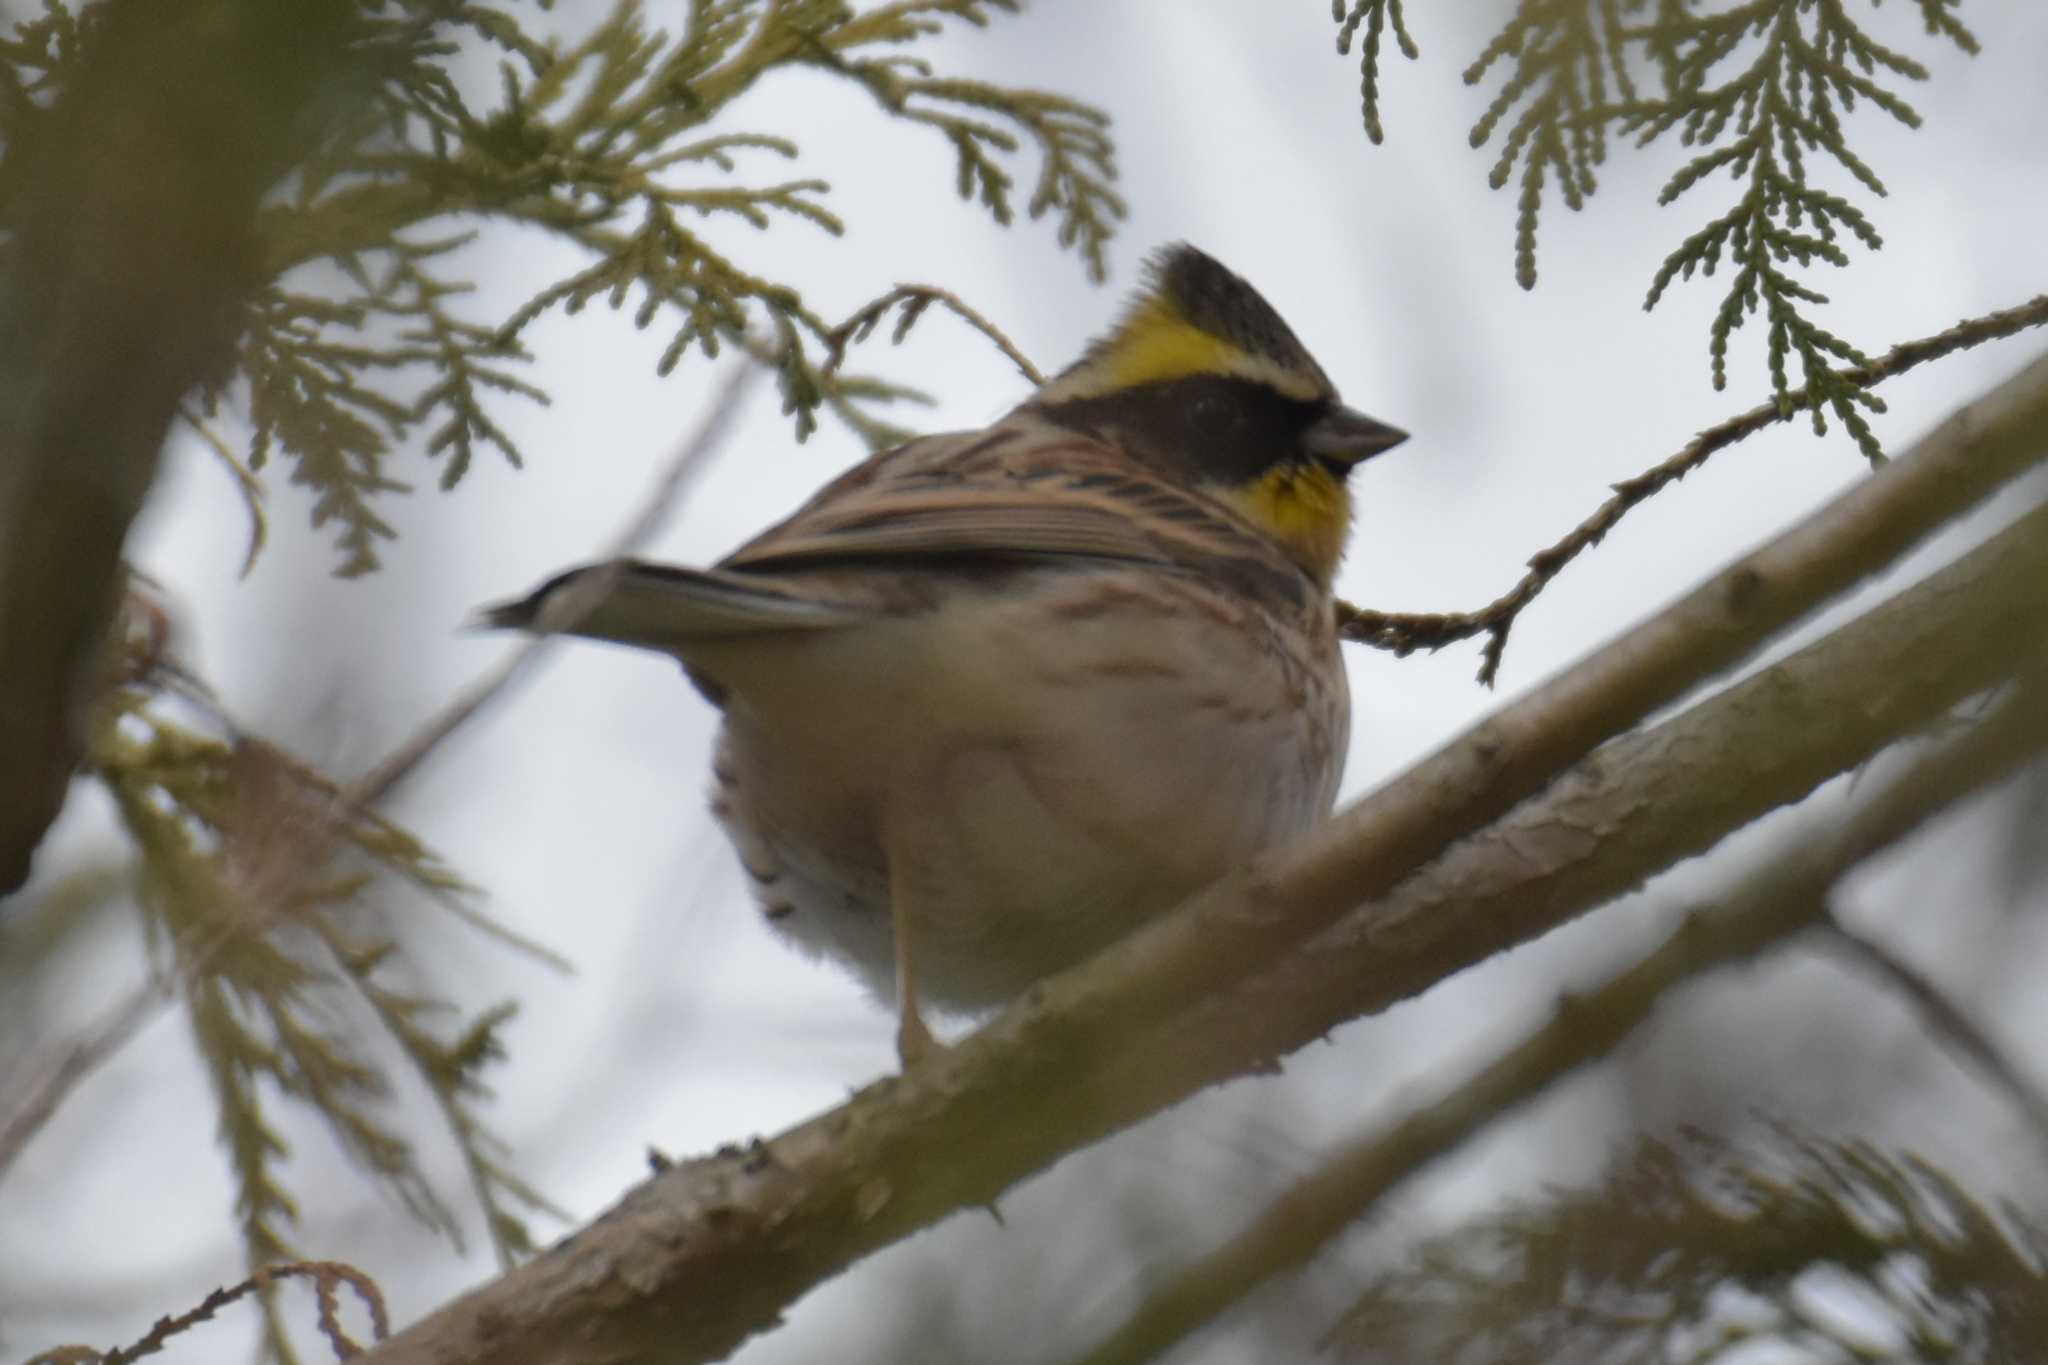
x=1344, y=436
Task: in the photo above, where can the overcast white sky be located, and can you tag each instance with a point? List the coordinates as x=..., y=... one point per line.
x=578, y=804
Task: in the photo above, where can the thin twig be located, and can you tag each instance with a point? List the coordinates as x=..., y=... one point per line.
x=246, y=483
x=916, y=298
x=327, y=1278
x=1946, y=1020
x=61, y=1069
x=54, y=1079
x=1405, y=633
x=453, y=902
x=568, y=609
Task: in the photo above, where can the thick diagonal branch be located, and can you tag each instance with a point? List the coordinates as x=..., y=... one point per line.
x=1782, y=896
x=690, y=1264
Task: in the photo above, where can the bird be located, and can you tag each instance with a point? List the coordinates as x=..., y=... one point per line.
x=992, y=699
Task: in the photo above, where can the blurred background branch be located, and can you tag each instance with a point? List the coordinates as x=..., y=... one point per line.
x=130, y=250
x=1703, y=1249
x=1782, y=895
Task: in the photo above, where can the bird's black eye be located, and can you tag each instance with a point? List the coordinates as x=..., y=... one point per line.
x=1236, y=429
x=1218, y=428
x=1213, y=409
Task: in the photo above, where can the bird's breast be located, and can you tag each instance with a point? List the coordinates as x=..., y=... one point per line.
x=1049, y=765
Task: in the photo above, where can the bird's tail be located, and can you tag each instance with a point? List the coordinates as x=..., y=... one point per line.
x=655, y=606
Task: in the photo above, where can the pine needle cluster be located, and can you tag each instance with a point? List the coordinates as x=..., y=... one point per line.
x=1755, y=91
x=624, y=143
x=266, y=901
x=1794, y=1247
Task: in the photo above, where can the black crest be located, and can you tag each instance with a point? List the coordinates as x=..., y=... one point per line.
x=1220, y=302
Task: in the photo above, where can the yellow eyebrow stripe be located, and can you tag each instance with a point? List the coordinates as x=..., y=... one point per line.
x=1155, y=344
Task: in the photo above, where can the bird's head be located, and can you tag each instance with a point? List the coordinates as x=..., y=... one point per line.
x=1201, y=379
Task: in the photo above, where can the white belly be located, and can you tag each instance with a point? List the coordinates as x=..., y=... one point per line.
x=1051, y=768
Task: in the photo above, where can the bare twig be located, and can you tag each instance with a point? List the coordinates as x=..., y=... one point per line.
x=52, y=1080
x=916, y=298
x=1405, y=633
x=327, y=1278
x=37, y=1095
x=247, y=485
x=1270, y=958
x=1948, y=1022
x=1781, y=897
x=567, y=609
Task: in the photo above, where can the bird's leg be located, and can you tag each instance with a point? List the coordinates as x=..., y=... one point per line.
x=914, y=1041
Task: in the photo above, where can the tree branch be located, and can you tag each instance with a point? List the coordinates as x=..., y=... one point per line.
x=916, y=299
x=1945, y=1019
x=1784, y=895
x=129, y=250
x=1404, y=633
x=691, y=1263
x=51, y=1078
x=569, y=609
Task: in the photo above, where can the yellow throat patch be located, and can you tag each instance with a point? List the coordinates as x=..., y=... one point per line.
x=1304, y=507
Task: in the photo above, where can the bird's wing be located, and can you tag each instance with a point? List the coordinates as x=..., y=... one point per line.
x=889, y=536
x=1020, y=493
x=658, y=606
